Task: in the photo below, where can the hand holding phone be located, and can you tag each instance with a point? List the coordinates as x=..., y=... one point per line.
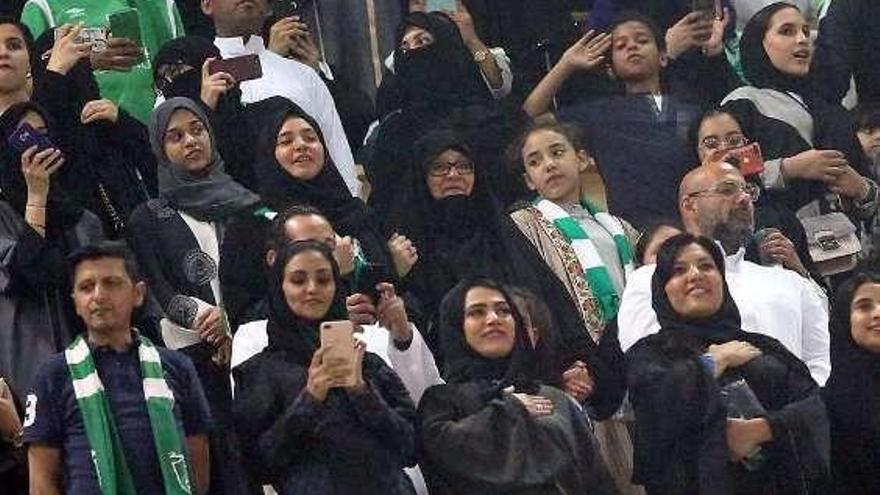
x=340, y=356
x=747, y=158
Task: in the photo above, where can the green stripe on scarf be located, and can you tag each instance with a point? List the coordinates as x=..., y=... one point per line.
x=595, y=272
x=108, y=455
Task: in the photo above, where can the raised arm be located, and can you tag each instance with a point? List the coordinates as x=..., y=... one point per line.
x=587, y=54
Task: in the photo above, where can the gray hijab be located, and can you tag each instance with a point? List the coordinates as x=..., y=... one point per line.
x=209, y=197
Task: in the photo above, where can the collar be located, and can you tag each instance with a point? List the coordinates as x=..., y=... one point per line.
x=235, y=45
x=734, y=261
x=134, y=344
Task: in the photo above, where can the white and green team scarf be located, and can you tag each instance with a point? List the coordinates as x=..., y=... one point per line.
x=108, y=456
x=595, y=273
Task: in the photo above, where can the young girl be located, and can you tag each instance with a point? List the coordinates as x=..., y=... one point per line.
x=589, y=250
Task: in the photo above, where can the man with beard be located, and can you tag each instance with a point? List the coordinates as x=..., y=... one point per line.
x=715, y=201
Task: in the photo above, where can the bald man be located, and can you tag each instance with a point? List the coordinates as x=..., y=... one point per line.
x=715, y=201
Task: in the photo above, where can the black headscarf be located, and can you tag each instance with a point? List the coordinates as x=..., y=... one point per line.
x=854, y=386
x=208, y=197
x=61, y=211
x=437, y=77
x=326, y=191
x=288, y=332
x=695, y=335
x=756, y=64
x=191, y=51
x=463, y=364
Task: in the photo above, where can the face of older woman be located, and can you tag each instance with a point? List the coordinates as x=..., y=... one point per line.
x=451, y=174
x=309, y=285
x=299, y=150
x=187, y=142
x=489, y=327
x=787, y=43
x=864, y=317
x=695, y=289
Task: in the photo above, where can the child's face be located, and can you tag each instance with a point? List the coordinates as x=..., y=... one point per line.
x=870, y=141
x=635, y=55
x=553, y=166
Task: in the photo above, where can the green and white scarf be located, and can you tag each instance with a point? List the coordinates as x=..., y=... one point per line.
x=595, y=272
x=108, y=456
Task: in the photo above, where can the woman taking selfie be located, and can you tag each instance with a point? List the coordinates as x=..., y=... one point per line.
x=309, y=422
x=495, y=426
x=719, y=410
x=853, y=390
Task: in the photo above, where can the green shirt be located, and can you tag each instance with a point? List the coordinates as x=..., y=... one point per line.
x=159, y=21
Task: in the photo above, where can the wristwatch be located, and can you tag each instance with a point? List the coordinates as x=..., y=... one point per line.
x=480, y=56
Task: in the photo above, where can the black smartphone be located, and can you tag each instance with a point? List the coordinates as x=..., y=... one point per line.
x=243, y=68
x=287, y=8
x=708, y=8
x=369, y=277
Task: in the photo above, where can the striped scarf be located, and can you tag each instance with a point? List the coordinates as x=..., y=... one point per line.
x=108, y=456
x=595, y=272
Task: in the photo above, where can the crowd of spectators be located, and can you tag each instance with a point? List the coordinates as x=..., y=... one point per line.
x=225, y=270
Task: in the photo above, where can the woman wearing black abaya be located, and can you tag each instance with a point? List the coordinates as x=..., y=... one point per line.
x=809, y=145
x=678, y=378
x=495, y=427
x=437, y=84
x=302, y=430
x=852, y=393
x=39, y=227
x=461, y=232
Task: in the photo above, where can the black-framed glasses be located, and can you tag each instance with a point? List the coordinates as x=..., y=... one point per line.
x=714, y=143
x=465, y=167
x=729, y=189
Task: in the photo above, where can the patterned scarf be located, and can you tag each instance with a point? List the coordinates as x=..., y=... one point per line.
x=108, y=455
x=594, y=270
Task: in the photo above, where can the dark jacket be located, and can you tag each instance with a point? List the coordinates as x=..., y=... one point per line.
x=350, y=444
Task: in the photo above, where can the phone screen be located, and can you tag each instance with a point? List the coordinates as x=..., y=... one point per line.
x=440, y=5
x=748, y=159
x=125, y=24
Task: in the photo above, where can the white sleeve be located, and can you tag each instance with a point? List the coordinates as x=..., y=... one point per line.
x=816, y=339
x=503, y=62
x=636, y=318
x=415, y=366
x=334, y=134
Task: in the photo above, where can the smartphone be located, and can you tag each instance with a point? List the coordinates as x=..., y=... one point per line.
x=440, y=5
x=125, y=24
x=337, y=338
x=26, y=136
x=287, y=8
x=747, y=158
x=369, y=277
x=706, y=7
x=243, y=68
x=97, y=36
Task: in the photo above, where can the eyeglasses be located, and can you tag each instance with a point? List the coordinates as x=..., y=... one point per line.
x=443, y=169
x=714, y=143
x=729, y=189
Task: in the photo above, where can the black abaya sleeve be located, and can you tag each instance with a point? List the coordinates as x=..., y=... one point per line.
x=608, y=367
x=680, y=421
x=496, y=448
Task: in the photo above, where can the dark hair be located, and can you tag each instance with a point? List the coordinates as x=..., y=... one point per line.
x=278, y=232
x=105, y=249
x=866, y=116
x=291, y=249
x=571, y=132
x=650, y=233
x=636, y=16
x=672, y=247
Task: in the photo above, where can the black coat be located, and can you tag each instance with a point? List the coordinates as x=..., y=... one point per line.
x=487, y=443
x=350, y=444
